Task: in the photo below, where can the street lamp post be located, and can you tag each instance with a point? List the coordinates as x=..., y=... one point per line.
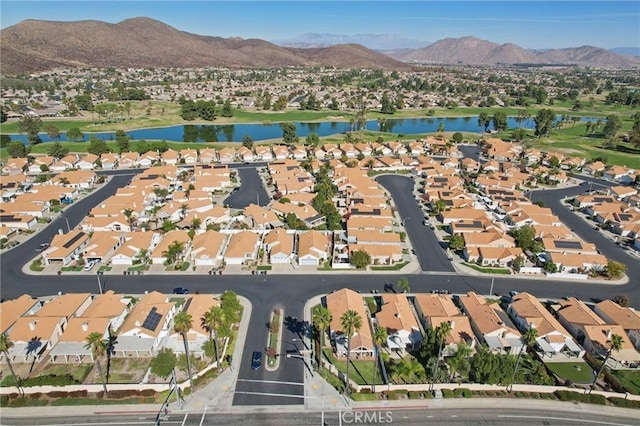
x=99, y=283
x=67, y=220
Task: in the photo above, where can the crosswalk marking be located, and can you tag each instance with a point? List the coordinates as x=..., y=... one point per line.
x=272, y=382
x=285, y=395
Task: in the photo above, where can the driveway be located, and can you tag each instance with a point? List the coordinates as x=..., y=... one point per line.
x=424, y=241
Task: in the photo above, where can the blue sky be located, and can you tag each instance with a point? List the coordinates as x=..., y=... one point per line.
x=530, y=24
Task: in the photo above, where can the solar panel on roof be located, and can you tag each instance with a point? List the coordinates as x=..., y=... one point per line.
x=73, y=240
x=152, y=320
x=567, y=244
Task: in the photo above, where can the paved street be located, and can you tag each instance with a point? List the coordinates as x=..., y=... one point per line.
x=251, y=191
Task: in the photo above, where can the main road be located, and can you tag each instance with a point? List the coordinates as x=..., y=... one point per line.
x=289, y=292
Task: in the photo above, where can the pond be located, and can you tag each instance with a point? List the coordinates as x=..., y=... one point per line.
x=264, y=131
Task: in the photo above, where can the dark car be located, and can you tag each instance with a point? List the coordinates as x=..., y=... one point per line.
x=256, y=360
x=180, y=290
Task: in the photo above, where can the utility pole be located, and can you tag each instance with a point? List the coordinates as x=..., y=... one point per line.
x=99, y=283
x=491, y=289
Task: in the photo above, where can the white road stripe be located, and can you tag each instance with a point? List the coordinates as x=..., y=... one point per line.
x=272, y=382
x=271, y=394
x=565, y=419
x=185, y=419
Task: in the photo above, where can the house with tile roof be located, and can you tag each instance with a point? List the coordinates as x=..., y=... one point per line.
x=553, y=339
x=278, y=245
x=361, y=343
x=242, y=247
x=146, y=328
x=195, y=305
x=396, y=316
x=158, y=256
x=135, y=244
x=11, y=310
x=206, y=248
x=627, y=318
x=491, y=325
x=65, y=248
x=313, y=248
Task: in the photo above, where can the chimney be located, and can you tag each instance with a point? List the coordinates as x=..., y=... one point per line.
x=609, y=334
x=138, y=324
x=32, y=325
x=85, y=326
x=453, y=324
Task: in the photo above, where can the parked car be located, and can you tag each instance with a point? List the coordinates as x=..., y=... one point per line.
x=180, y=290
x=256, y=360
x=89, y=265
x=42, y=247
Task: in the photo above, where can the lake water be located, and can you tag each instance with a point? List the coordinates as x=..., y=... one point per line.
x=258, y=132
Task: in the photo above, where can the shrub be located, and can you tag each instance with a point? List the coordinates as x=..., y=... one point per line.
x=447, y=393
x=35, y=395
x=58, y=394
x=414, y=395
x=4, y=400
x=625, y=403
x=147, y=392
x=365, y=390
x=462, y=392
x=78, y=394
x=122, y=393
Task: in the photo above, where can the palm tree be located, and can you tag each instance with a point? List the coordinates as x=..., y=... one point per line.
x=321, y=321
x=459, y=359
x=128, y=213
x=351, y=323
x=182, y=323
x=615, y=344
x=529, y=338
x=442, y=331
x=379, y=337
x=403, y=284
x=5, y=345
x=97, y=344
x=142, y=255
x=211, y=320
x=111, y=342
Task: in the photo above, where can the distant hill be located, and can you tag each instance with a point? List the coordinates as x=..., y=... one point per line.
x=33, y=45
x=471, y=50
x=626, y=51
x=380, y=42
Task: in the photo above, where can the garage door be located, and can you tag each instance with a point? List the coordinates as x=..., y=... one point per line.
x=308, y=262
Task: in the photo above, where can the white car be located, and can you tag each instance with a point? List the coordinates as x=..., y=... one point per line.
x=89, y=265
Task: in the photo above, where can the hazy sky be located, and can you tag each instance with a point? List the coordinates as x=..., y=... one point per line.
x=530, y=24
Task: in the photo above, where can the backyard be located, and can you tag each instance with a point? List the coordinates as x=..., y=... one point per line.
x=576, y=372
x=630, y=379
x=360, y=371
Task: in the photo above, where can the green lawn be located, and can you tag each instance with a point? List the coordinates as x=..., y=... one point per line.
x=360, y=371
x=71, y=268
x=264, y=267
x=488, y=270
x=77, y=371
x=577, y=372
x=138, y=268
x=395, y=267
x=630, y=379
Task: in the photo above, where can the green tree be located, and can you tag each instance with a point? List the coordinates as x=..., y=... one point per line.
x=544, y=121
x=550, y=267
x=484, y=121
x=312, y=139
x=380, y=336
x=386, y=105
x=97, y=344
x=321, y=320
x=525, y=238
x=123, y=141
x=457, y=137
x=227, y=109
x=231, y=306
x=360, y=259
x=403, y=284
x=16, y=149
x=351, y=323
x=3, y=115
x=173, y=252
x=182, y=323
x=440, y=206
x=5, y=345
x=612, y=126
x=456, y=242
x=615, y=344
x=52, y=131
x=247, y=141
x=289, y=133
x=212, y=320
x=163, y=363
x=97, y=146
x=499, y=120
x=74, y=134
x=459, y=362
x=56, y=150
x=615, y=269
x=528, y=339
x=622, y=300
x=441, y=333
x=30, y=125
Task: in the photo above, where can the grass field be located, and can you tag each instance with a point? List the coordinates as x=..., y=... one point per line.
x=360, y=371
x=577, y=372
x=631, y=379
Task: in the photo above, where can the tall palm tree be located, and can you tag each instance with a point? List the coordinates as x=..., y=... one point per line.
x=351, y=323
x=97, y=344
x=615, y=344
x=379, y=337
x=529, y=338
x=111, y=342
x=211, y=320
x=5, y=345
x=321, y=321
x=128, y=213
x=442, y=331
x=182, y=323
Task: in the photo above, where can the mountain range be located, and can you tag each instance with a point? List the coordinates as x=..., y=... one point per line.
x=33, y=45
x=474, y=51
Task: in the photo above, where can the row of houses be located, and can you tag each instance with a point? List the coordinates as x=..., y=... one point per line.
x=564, y=332
x=58, y=328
